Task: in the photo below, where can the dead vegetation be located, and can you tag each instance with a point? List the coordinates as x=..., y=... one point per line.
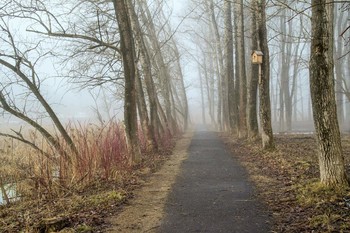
x=84, y=210
x=287, y=179
x=77, y=193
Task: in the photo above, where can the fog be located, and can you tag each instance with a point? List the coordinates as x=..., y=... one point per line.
x=189, y=22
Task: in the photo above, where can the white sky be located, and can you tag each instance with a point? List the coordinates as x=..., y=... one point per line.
x=79, y=103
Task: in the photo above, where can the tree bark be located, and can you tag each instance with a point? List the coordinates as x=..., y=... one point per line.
x=164, y=75
x=128, y=55
x=183, y=94
x=286, y=96
x=202, y=94
x=223, y=109
x=339, y=65
x=264, y=81
x=209, y=83
x=252, y=115
x=331, y=161
x=241, y=71
x=150, y=127
x=143, y=114
x=229, y=71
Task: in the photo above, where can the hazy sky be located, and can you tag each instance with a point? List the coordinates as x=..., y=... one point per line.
x=70, y=102
x=78, y=103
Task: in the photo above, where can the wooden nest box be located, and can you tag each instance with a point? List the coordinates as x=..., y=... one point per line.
x=257, y=57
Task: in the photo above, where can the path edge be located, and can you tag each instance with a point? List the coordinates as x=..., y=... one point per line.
x=146, y=210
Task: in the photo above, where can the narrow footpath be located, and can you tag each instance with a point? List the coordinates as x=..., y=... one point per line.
x=212, y=193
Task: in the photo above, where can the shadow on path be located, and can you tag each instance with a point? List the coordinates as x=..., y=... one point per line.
x=212, y=193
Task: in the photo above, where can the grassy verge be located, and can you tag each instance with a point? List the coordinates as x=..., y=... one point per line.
x=96, y=183
x=83, y=210
x=287, y=180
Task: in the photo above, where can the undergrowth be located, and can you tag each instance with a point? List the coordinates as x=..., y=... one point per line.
x=78, y=191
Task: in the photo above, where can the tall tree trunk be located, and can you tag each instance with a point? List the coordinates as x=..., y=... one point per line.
x=128, y=55
x=200, y=74
x=252, y=115
x=264, y=81
x=147, y=129
x=339, y=73
x=241, y=71
x=229, y=71
x=209, y=82
x=164, y=75
x=285, y=93
x=223, y=92
x=331, y=161
x=284, y=79
x=281, y=101
x=288, y=94
x=183, y=94
x=149, y=126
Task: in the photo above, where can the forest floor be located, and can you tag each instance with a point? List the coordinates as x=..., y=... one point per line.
x=287, y=180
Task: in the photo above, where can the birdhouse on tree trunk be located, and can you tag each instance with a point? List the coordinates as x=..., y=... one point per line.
x=257, y=57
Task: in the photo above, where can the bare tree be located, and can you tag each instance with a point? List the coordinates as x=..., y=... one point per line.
x=264, y=79
x=128, y=53
x=223, y=108
x=160, y=63
x=21, y=72
x=229, y=71
x=241, y=68
x=331, y=161
x=252, y=115
x=150, y=127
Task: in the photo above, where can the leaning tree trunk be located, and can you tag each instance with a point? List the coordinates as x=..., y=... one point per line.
x=331, y=161
x=128, y=55
x=150, y=127
x=164, y=75
x=147, y=130
x=264, y=81
x=181, y=85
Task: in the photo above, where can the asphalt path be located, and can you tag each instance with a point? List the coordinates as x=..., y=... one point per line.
x=212, y=193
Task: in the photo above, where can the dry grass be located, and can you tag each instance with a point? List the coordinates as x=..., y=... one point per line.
x=75, y=191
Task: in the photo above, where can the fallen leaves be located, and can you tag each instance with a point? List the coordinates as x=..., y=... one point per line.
x=287, y=180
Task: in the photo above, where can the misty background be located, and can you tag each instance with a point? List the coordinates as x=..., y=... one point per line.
x=73, y=101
